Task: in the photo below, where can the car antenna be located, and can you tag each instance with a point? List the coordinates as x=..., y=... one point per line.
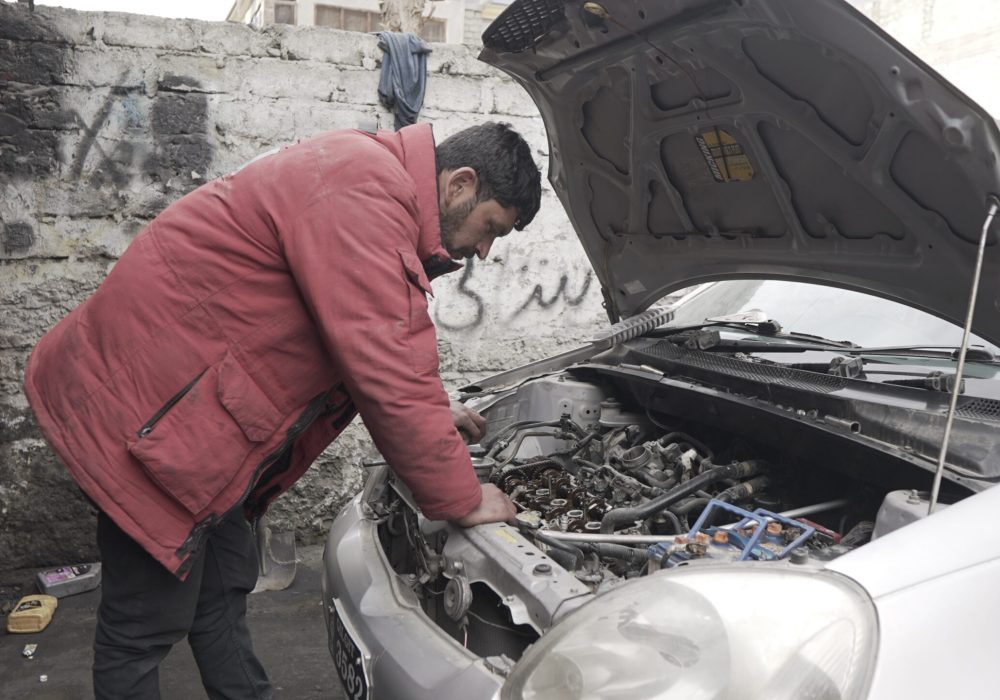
x=957, y=387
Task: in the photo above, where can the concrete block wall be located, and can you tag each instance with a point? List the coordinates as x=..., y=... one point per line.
x=106, y=118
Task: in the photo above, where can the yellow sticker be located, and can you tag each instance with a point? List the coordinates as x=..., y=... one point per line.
x=726, y=159
x=505, y=535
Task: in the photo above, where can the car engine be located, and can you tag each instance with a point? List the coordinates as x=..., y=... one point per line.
x=610, y=487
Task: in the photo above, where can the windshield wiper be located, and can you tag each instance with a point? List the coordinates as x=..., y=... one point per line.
x=710, y=340
x=933, y=381
x=705, y=335
x=973, y=354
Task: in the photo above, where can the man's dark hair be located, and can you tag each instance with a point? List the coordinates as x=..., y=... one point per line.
x=502, y=160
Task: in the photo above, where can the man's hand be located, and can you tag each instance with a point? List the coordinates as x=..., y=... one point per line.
x=494, y=508
x=469, y=423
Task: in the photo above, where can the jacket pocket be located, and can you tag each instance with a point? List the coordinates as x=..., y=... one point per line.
x=415, y=271
x=196, y=444
x=421, y=338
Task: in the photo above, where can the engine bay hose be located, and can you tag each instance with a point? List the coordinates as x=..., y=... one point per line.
x=564, y=548
x=632, y=555
x=619, y=517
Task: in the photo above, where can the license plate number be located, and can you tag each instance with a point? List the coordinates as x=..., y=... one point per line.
x=347, y=659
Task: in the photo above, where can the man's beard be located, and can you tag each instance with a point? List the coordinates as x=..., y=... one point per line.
x=451, y=221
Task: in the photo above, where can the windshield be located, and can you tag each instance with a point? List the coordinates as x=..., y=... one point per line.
x=836, y=314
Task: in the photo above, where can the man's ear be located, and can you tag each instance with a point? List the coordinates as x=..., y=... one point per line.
x=459, y=184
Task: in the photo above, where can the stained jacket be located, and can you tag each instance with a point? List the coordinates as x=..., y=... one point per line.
x=240, y=331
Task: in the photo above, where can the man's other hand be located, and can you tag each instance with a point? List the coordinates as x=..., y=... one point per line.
x=495, y=507
x=470, y=424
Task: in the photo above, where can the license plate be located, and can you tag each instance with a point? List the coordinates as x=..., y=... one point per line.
x=347, y=658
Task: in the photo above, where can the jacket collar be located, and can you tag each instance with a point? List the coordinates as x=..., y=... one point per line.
x=418, y=159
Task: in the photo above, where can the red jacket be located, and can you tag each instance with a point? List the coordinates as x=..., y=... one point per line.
x=234, y=338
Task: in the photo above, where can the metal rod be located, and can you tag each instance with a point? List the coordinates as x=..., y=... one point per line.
x=609, y=537
x=936, y=489
x=654, y=539
x=816, y=508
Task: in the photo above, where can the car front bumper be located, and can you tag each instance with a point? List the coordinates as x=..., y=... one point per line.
x=402, y=653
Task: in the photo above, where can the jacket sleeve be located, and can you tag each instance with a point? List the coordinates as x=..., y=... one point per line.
x=351, y=251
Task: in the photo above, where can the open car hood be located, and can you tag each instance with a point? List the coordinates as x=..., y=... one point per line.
x=701, y=140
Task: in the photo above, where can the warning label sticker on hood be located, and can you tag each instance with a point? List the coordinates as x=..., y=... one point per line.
x=724, y=155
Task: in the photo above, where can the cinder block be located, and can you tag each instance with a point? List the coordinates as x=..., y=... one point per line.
x=510, y=98
x=128, y=68
x=357, y=87
x=452, y=59
x=18, y=23
x=291, y=79
x=458, y=94
x=17, y=419
x=141, y=31
x=323, y=44
x=39, y=293
x=232, y=39
x=317, y=118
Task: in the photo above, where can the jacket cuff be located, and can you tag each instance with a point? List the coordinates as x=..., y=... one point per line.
x=457, y=509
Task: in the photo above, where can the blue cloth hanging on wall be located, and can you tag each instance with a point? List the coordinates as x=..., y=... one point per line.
x=403, y=79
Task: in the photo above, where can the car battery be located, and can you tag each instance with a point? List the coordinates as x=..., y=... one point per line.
x=69, y=580
x=32, y=614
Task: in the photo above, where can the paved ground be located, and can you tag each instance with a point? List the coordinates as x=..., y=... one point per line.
x=288, y=631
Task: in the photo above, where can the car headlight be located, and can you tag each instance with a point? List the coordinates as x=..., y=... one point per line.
x=732, y=631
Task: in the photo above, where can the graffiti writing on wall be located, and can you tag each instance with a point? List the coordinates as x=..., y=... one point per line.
x=130, y=134
x=176, y=123
x=562, y=293
x=466, y=308
x=472, y=320
x=36, y=125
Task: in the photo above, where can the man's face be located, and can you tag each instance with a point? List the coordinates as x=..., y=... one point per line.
x=468, y=227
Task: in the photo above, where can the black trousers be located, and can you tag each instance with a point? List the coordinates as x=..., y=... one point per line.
x=145, y=610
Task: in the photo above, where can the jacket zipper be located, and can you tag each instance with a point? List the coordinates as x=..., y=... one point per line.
x=148, y=426
x=279, y=461
x=307, y=418
x=313, y=410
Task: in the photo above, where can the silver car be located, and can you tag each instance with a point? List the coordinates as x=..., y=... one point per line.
x=770, y=478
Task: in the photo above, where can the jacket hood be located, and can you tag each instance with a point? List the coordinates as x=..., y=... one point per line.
x=702, y=140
